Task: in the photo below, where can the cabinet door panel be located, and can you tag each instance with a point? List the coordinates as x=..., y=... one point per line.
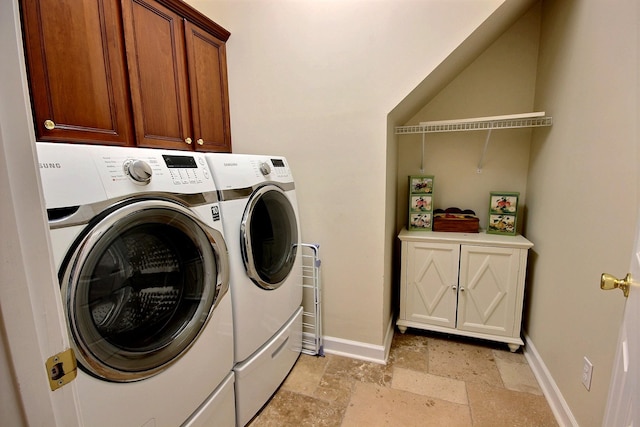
x=432, y=280
x=77, y=72
x=488, y=297
x=207, y=64
x=154, y=39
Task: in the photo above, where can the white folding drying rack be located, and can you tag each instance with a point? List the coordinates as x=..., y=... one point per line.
x=311, y=295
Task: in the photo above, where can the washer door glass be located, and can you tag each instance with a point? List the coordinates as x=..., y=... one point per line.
x=269, y=237
x=139, y=288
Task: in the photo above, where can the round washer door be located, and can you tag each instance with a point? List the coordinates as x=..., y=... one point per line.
x=269, y=237
x=140, y=286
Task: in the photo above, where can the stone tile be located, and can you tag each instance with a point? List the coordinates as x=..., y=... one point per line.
x=462, y=361
x=409, y=339
x=517, y=357
x=372, y=406
x=293, y=409
x=306, y=374
x=336, y=389
x=496, y=406
x=414, y=358
x=359, y=370
x=430, y=385
x=518, y=376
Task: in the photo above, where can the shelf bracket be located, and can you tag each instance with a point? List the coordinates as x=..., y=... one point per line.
x=422, y=157
x=484, y=151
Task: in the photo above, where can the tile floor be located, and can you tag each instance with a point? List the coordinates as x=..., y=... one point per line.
x=429, y=380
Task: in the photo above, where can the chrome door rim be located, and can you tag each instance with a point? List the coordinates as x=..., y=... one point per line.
x=245, y=237
x=218, y=265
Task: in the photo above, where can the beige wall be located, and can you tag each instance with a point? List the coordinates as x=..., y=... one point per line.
x=500, y=81
x=314, y=81
x=582, y=191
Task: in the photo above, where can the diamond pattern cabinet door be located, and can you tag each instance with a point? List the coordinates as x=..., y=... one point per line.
x=491, y=294
x=432, y=281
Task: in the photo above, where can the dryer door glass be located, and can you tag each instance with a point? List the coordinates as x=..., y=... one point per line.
x=140, y=287
x=269, y=240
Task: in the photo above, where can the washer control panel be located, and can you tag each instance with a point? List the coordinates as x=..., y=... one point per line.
x=124, y=169
x=138, y=170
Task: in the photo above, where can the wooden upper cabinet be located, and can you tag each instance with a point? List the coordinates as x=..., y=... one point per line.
x=177, y=72
x=207, y=64
x=147, y=73
x=154, y=40
x=77, y=72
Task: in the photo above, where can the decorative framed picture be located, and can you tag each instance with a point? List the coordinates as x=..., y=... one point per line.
x=503, y=212
x=421, y=184
x=420, y=221
x=420, y=202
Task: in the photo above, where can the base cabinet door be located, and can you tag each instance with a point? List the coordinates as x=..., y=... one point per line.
x=463, y=285
x=432, y=279
x=489, y=292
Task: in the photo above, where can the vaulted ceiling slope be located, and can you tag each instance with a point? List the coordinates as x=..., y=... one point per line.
x=470, y=49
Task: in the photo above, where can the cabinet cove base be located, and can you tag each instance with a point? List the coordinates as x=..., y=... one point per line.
x=468, y=284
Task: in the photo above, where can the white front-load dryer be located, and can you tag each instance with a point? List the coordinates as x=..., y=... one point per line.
x=143, y=268
x=260, y=216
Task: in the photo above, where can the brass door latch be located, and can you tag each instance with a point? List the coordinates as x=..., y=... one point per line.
x=62, y=368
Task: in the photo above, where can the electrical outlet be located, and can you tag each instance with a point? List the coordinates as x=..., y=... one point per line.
x=587, y=371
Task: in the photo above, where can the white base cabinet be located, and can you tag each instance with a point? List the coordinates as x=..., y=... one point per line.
x=469, y=284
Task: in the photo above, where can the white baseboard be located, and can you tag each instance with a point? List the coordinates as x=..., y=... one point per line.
x=558, y=405
x=359, y=350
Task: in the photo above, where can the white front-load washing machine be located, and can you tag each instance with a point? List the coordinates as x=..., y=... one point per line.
x=143, y=267
x=260, y=216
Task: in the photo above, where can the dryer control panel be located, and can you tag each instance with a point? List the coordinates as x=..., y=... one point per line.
x=239, y=171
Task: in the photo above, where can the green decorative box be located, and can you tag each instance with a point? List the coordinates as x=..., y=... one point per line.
x=421, y=202
x=503, y=212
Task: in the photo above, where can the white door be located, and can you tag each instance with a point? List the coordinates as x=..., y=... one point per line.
x=623, y=405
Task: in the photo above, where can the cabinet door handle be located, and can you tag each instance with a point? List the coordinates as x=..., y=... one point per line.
x=188, y=141
x=49, y=125
x=461, y=289
x=200, y=141
x=454, y=287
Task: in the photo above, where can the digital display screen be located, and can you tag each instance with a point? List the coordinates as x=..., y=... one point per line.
x=277, y=163
x=179, y=161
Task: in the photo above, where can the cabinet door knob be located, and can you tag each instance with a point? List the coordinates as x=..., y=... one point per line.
x=188, y=141
x=49, y=125
x=454, y=287
x=200, y=141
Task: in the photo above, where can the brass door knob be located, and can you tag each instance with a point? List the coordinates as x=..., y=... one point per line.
x=200, y=141
x=49, y=125
x=608, y=282
x=188, y=141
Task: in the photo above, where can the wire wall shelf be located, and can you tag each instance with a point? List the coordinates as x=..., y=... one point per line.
x=511, y=121
x=312, y=342
x=514, y=121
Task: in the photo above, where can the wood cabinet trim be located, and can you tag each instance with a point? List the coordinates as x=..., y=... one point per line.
x=193, y=15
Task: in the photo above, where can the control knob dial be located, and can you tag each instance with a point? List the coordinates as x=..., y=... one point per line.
x=138, y=170
x=265, y=169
